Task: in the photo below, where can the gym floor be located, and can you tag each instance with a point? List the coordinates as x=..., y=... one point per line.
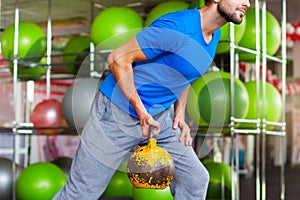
x=292, y=189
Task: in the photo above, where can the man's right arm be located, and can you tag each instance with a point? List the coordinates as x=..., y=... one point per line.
x=120, y=63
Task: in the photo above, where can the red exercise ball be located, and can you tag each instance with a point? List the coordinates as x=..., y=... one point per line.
x=48, y=114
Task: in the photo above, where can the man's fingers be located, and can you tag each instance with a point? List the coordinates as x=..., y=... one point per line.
x=156, y=125
x=145, y=131
x=175, y=123
x=147, y=123
x=185, y=134
x=188, y=140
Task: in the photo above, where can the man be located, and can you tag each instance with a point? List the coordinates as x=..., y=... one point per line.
x=149, y=74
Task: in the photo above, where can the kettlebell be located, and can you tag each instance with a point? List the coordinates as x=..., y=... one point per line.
x=150, y=166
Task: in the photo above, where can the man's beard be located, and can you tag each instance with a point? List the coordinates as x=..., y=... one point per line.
x=229, y=17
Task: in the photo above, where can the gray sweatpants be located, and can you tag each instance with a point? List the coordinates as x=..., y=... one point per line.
x=109, y=136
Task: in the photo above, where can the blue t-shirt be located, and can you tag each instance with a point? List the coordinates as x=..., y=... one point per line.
x=177, y=55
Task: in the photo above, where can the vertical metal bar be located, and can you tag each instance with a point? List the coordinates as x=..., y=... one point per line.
x=49, y=51
x=257, y=78
x=92, y=46
x=237, y=148
x=15, y=93
x=29, y=103
x=237, y=70
x=93, y=52
x=15, y=59
x=234, y=186
x=284, y=57
x=92, y=57
x=264, y=66
x=237, y=166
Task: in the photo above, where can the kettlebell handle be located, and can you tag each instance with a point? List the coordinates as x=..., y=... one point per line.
x=152, y=132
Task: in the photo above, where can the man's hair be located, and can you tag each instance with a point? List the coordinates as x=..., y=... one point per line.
x=207, y=2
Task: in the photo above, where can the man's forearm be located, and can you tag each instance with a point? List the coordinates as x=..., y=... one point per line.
x=180, y=104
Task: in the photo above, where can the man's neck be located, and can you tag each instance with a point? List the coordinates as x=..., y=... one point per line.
x=210, y=21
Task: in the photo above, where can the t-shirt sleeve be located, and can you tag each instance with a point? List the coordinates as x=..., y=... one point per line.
x=162, y=36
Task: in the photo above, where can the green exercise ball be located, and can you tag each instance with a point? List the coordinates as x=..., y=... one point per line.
x=40, y=181
x=30, y=73
x=224, y=45
x=219, y=186
x=273, y=103
x=119, y=186
x=192, y=101
x=151, y=194
x=197, y=3
x=207, y=160
x=165, y=8
x=32, y=40
x=114, y=26
x=208, y=99
x=31, y=43
x=214, y=100
x=75, y=51
x=273, y=35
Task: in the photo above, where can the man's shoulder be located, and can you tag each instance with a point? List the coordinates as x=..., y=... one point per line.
x=177, y=20
x=180, y=14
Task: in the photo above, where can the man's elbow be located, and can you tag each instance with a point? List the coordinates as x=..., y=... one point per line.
x=110, y=59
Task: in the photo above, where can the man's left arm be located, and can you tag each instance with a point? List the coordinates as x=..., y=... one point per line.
x=179, y=118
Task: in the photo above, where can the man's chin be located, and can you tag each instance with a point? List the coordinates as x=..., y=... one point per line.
x=238, y=21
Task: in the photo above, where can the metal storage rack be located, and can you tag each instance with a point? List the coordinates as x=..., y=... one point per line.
x=22, y=129
x=260, y=132
x=25, y=129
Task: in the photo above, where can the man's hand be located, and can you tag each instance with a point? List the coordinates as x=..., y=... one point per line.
x=146, y=121
x=185, y=131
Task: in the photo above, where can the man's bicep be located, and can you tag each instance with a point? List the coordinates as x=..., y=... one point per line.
x=130, y=51
x=137, y=54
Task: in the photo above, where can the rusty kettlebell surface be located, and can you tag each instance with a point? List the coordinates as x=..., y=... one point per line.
x=150, y=166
